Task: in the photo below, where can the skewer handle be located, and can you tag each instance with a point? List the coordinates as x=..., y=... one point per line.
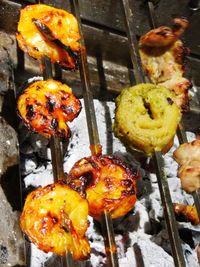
x=168, y=211
x=109, y=241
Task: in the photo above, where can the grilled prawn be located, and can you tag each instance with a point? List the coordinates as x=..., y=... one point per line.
x=55, y=219
x=109, y=184
x=47, y=106
x=63, y=27
x=162, y=55
x=188, y=157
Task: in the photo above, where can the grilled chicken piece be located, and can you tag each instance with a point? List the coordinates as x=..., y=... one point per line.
x=55, y=219
x=162, y=55
x=63, y=27
x=109, y=184
x=46, y=107
x=188, y=212
x=164, y=36
x=188, y=157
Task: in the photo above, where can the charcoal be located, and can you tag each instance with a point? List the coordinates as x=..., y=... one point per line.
x=8, y=144
x=4, y=71
x=11, y=238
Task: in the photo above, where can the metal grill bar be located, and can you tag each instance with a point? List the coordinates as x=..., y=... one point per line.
x=181, y=134
x=157, y=157
x=106, y=220
x=168, y=210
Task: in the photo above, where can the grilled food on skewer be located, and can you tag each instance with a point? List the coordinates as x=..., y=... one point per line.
x=55, y=219
x=164, y=36
x=109, y=184
x=188, y=157
x=146, y=117
x=188, y=212
x=46, y=107
x=60, y=25
x=162, y=55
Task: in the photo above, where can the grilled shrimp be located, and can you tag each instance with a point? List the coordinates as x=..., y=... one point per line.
x=46, y=107
x=63, y=27
x=55, y=219
x=109, y=184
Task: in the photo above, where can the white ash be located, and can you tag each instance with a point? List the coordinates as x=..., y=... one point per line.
x=142, y=231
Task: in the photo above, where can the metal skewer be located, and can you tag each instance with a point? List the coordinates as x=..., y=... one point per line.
x=157, y=157
x=56, y=155
x=56, y=151
x=55, y=144
x=181, y=134
x=106, y=220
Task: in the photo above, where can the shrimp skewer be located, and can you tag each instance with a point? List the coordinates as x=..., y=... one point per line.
x=47, y=106
x=108, y=184
x=63, y=27
x=54, y=222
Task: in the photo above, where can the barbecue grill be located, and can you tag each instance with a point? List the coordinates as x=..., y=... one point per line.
x=108, y=68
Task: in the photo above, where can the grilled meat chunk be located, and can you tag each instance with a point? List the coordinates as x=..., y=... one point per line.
x=63, y=27
x=188, y=157
x=162, y=55
x=55, y=219
x=46, y=107
x=188, y=212
x=109, y=184
x=164, y=36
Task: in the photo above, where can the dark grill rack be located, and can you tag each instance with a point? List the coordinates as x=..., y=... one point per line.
x=56, y=147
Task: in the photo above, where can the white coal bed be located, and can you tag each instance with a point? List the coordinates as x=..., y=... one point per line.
x=141, y=236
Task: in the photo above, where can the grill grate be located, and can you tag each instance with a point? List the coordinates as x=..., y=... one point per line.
x=106, y=223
